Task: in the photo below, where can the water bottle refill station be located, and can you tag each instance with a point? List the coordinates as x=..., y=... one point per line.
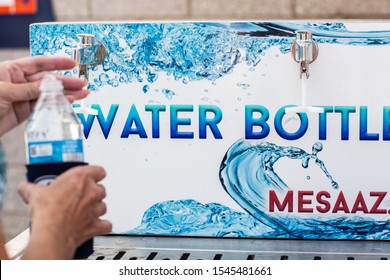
x=236, y=140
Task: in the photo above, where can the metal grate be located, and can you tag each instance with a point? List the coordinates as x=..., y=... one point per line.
x=186, y=248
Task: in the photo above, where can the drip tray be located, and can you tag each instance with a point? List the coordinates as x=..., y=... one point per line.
x=116, y=247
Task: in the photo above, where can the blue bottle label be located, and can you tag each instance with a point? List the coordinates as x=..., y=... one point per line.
x=55, y=151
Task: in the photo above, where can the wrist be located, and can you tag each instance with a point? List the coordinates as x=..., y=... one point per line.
x=48, y=242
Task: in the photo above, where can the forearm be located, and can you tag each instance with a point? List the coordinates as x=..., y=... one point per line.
x=48, y=244
x=3, y=252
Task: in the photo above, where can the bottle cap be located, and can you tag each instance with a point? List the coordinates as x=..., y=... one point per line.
x=50, y=83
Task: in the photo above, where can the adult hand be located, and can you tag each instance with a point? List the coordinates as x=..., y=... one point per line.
x=19, y=86
x=65, y=214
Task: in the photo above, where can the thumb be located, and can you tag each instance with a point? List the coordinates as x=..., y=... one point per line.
x=26, y=191
x=20, y=92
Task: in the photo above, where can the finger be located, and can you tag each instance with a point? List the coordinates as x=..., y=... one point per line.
x=69, y=82
x=102, y=191
x=26, y=190
x=103, y=227
x=100, y=209
x=71, y=99
x=95, y=172
x=95, y=194
x=20, y=92
x=23, y=110
x=30, y=91
x=36, y=64
x=73, y=95
x=99, y=227
x=73, y=87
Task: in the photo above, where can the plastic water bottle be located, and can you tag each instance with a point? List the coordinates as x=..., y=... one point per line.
x=53, y=139
x=53, y=133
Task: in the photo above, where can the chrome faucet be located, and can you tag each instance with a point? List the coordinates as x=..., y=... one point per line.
x=304, y=51
x=88, y=52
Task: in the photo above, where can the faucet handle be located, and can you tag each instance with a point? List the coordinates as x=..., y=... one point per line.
x=88, y=52
x=304, y=51
x=85, y=39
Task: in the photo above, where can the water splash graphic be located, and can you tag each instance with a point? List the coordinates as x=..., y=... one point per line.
x=247, y=174
x=192, y=218
x=138, y=52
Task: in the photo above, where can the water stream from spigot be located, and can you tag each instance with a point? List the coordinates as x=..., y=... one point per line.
x=84, y=108
x=304, y=91
x=88, y=52
x=304, y=51
x=304, y=108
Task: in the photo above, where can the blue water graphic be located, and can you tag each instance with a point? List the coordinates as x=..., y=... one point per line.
x=247, y=174
x=192, y=218
x=138, y=52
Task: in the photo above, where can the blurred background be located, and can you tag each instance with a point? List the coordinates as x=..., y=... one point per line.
x=16, y=15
